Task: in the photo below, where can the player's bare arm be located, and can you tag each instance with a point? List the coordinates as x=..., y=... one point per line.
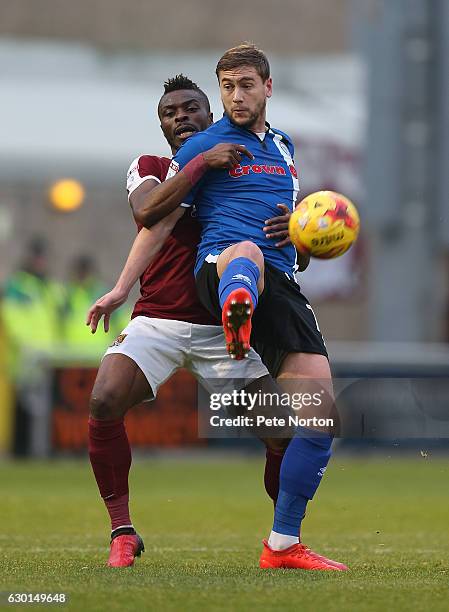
x=151, y=204
x=146, y=246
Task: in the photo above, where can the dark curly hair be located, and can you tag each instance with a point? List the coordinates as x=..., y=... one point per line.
x=181, y=82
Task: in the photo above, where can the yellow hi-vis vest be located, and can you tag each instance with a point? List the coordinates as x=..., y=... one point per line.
x=77, y=336
x=31, y=313
x=31, y=309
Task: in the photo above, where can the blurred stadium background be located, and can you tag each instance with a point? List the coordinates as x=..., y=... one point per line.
x=361, y=85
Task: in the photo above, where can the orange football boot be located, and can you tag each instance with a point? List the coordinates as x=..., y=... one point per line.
x=336, y=564
x=294, y=557
x=124, y=548
x=236, y=318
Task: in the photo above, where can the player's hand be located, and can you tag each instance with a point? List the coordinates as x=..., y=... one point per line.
x=104, y=307
x=226, y=155
x=277, y=227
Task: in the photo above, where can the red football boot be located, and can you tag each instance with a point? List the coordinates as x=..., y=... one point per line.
x=124, y=548
x=293, y=557
x=236, y=318
x=340, y=566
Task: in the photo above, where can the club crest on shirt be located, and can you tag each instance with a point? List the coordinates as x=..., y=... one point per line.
x=118, y=340
x=284, y=148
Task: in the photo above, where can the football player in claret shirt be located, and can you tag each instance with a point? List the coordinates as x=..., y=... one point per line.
x=243, y=279
x=170, y=328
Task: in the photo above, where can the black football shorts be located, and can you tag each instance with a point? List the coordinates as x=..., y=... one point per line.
x=283, y=321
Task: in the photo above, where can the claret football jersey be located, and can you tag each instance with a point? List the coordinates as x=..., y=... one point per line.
x=167, y=287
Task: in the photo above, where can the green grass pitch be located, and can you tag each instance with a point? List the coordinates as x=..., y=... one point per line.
x=202, y=521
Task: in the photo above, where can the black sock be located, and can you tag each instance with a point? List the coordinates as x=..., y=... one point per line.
x=122, y=531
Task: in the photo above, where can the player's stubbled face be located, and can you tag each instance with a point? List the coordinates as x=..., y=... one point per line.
x=183, y=113
x=244, y=95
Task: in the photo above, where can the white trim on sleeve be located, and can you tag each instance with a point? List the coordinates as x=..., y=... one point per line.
x=138, y=181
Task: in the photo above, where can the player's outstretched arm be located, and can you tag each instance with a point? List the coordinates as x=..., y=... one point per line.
x=152, y=205
x=147, y=244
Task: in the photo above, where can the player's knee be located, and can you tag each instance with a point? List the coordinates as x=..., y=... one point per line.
x=251, y=251
x=104, y=405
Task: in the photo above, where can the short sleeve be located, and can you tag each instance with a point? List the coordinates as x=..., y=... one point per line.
x=141, y=169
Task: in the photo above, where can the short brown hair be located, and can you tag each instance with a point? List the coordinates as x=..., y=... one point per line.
x=245, y=54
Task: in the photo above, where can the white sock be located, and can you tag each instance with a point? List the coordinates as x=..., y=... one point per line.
x=279, y=541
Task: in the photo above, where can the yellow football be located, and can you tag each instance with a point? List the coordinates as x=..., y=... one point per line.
x=325, y=224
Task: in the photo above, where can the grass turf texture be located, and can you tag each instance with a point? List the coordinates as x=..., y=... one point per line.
x=202, y=521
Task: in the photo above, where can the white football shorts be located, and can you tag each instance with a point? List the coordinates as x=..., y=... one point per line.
x=161, y=346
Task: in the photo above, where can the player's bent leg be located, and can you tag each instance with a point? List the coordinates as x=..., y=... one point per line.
x=120, y=384
x=240, y=268
x=247, y=250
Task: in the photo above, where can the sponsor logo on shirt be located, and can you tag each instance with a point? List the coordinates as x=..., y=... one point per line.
x=293, y=171
x=239, y=171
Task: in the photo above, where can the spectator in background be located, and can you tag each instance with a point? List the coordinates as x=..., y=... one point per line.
x=31, y=308
x=84, y=288
x=31, y=305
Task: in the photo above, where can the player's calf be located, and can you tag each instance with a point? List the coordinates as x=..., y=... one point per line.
x=238, y=295
x=120, y=384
